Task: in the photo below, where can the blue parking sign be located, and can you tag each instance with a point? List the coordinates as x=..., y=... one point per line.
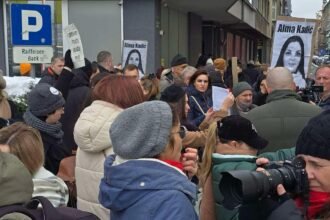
x=31, y=24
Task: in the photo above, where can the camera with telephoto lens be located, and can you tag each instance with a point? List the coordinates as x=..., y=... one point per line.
x=245, y=187
x=311, y=92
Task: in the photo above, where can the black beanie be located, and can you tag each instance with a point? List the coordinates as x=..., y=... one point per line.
x=314, y=140
x=172, y=94
x=178, y=60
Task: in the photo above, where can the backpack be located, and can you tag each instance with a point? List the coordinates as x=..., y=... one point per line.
x=47, y=212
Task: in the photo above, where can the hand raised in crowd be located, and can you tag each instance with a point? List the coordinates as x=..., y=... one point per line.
x=263, y=87
x=68, y=60
x=228, y=102
x=190, y=161
x=209, y=115
x=69, y=63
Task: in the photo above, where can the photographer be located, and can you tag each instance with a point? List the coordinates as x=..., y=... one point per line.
x=322, y=78
x=313, y=147
x=232, y=144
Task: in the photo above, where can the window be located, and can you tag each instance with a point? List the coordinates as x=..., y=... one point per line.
x=274, y=10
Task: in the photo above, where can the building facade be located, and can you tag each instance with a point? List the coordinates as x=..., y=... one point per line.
x=218, y=28
x=324, y=30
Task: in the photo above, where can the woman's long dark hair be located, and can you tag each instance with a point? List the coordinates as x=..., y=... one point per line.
x=140, y=61
x=301, y=65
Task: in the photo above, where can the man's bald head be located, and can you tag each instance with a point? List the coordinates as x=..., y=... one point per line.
x=279, y=78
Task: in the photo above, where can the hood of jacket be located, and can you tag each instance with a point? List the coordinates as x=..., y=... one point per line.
x=15, y=181
x=91, y=131
x=125, y=184
x=80, y=79
x=282, y=94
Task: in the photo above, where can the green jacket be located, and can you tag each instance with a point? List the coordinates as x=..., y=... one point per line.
x=221, y=163
x=281, y=119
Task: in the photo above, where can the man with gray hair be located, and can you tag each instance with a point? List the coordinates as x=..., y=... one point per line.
x=104, y=61
x=187, y=72
x=322, y=78
x=284, y=115
x=174, y=75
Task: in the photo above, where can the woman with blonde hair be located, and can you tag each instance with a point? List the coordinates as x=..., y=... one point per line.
x=232, y=144
x=25, y=142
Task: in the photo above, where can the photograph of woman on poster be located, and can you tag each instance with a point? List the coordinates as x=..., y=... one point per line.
x=292, y=57
x=134, y=57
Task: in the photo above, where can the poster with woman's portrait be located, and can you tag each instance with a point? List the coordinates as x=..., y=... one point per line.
x=135, y=52
x=292, y=46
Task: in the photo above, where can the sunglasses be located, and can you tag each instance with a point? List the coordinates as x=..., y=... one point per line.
x=182, y=132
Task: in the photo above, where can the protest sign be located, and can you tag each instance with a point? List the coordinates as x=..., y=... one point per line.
x=292, y=46
x=135, y=52
x=73, y=38
x=218, y=96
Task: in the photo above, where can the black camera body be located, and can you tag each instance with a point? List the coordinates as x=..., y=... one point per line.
x=244, y=187
x=311, y=93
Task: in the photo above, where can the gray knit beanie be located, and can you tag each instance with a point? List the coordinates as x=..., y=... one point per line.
x=142, y=131
x=44, y=99
x=241, y=87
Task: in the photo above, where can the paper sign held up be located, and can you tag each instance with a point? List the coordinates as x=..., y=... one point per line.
x=74, y=41
x=218, y=96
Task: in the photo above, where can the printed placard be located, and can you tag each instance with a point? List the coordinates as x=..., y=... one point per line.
x=135, y=52
x=292, y=46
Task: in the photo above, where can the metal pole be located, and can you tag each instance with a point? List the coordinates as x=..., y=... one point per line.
x=5, y=32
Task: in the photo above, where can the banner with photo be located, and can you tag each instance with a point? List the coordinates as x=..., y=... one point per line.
x=292, y=46
x=135, y=52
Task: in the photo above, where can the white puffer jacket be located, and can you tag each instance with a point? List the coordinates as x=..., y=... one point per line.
x=91, y=134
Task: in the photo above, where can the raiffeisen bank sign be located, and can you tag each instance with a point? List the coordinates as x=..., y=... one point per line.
x=31, y=33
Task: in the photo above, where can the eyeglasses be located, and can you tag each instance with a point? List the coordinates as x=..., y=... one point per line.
x=204, y=81
x=182, y=132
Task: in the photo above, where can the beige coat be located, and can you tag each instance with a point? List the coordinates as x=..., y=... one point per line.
x=91, y=134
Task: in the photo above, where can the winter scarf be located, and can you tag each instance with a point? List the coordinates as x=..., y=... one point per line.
x=317, y=200
x=53, y=130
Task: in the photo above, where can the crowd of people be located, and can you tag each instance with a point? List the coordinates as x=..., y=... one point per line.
x=152, y=146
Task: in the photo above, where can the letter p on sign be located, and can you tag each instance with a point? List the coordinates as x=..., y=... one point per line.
x=31, y=24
